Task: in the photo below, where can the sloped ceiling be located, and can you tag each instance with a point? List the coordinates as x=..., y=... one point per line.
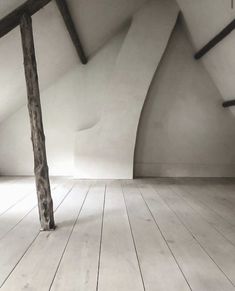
x=96, y=21
x=205, y=19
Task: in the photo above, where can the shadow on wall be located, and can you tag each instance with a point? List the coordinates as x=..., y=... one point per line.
x=106, y=151
x=183, y=129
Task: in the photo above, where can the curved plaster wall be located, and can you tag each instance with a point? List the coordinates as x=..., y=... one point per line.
x=106, y=149
x=184, y=131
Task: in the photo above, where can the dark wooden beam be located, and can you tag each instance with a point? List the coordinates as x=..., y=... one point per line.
x=229, y=103
x=30, y=7
x=12, y=20
x=45, y=202
x=226, y=31
x=64, y=10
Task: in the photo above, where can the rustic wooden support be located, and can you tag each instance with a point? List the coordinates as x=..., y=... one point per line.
x=12, y=20
x=226, y=31
x=45, y=202
x=229, y=103
x=64, y=10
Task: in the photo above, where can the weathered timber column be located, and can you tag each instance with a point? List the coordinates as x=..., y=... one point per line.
x=45, y=203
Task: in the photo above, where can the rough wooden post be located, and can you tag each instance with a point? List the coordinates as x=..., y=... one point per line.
x=45, y=203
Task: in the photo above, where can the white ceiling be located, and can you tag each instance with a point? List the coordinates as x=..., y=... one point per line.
x=96, y=22
x=205, y=19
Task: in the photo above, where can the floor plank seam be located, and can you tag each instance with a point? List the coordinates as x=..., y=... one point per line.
x=32, y=242
x=21, y=219
x=20, y=259
x=155, y=221
x=66, y=195
x=17, y=202
x=13, y=227
x=133, y=239
x=212, y=209
x=70, y=234
x=101, y=238
x=206, y=220
x=202, y=247
x=216, y=212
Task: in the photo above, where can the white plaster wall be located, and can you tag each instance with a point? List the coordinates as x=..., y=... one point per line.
x=72, y=103
x=106, y=150
x=184, y=131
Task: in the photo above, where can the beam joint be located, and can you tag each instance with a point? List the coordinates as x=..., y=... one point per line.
x=64, y=10
x=12, y=20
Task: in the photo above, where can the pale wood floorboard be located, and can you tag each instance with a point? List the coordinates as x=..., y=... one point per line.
x=141, y=235
x=205, y=193
x=156, y=260
x=37, y=268
x=224, y=227
x=13, y=192
x=201, y=272
x=10, y=218
x=119, y=269
x=78, y=269
x=217, y=247
x=16, y=242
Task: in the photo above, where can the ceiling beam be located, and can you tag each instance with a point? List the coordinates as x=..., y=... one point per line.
x=64, y=10
x=220, y=36
x=12, y=20
x=229, y=103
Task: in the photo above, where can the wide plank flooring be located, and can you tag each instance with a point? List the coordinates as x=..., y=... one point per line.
x=125, y=235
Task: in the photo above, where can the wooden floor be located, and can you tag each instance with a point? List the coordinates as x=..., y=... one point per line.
x=149, y=234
